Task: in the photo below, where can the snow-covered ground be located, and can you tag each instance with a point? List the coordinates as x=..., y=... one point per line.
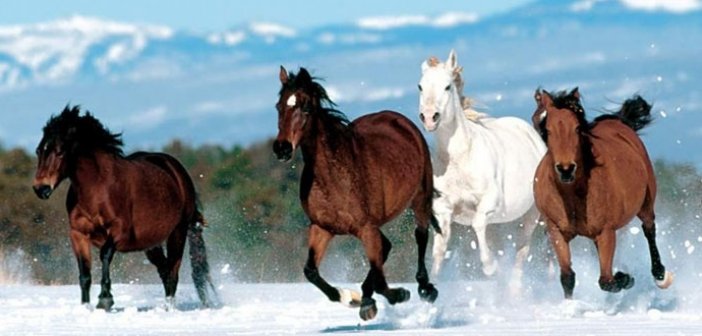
x=463, y=308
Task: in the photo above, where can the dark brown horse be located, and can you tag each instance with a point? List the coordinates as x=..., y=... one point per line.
x=119, y=203
x=593, y=180
x=357, y=176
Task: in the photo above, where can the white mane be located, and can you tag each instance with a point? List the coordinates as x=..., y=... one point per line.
x=466, y=102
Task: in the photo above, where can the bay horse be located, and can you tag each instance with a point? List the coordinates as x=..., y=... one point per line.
x=595, y=177
x=357, y=176
x=121, y=204
x=484, y=166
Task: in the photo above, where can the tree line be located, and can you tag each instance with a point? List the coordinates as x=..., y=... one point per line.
x=257, y=231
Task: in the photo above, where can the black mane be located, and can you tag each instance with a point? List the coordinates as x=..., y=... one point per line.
x=325, y=107
x=80, y=135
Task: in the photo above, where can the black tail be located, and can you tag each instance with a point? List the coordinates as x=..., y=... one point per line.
x=635, y=113
x=199, y=264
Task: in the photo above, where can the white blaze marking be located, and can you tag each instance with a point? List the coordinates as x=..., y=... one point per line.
x=542, y=115
x=292, y=101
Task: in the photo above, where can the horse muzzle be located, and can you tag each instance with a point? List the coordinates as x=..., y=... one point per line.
x=43, y=191
x=283, y=150
x=566, y=173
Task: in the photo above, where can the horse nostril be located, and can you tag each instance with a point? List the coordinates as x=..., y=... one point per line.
x=566, y=170
x=436, y=116
x=421, y=117
x=43, y=191
x=283, y=150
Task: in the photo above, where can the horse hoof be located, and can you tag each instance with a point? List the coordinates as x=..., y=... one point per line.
x=105, y=303
x=398, y=295
x=428, y=293
x=368, y=309
x=349, y=298
x=490, y=268
x=667, y=280
x=623, y=280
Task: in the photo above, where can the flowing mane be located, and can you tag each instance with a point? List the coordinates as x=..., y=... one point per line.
x=323, y=106
x=81, y=135
x=467, y=103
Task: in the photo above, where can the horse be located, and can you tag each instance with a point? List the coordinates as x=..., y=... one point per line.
x=121, y=203
x=484, y=166
x=357, y=176
x=595, y=177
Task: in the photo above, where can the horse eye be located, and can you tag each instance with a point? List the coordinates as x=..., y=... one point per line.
x=448, y=87
x=420, y=87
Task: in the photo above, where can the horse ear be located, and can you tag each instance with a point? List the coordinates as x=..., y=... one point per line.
x=546, y=99
x=537, y=95
x=575, y=93
x=425, y=66
x=283, y=75
x=452, y=61
x=304, y=76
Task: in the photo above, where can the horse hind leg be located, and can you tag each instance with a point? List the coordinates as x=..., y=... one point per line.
x=377, y=248
x=662, y=277
x=168, y=267
x=606, y=245
x=422, y=216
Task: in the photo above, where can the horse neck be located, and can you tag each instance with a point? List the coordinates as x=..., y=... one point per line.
x=323, y=142
x=90, y=169
x=457, y=134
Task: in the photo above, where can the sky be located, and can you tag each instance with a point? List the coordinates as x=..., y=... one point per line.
x=217, y=15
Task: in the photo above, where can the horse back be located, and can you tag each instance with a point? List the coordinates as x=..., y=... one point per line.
x=376, y=174
x=174, y=169
x=621, y=153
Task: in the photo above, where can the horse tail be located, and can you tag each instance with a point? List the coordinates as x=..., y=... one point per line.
x=635, y=113
x=198, y=261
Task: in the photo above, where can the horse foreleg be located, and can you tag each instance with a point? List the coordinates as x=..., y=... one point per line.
x=561, y=245
x=81, y=249
x=107, y=251
x=486, y=257
x=440, y=243
x=606, y=243
x=318, y=242
x=377, y=248
x=526, y=230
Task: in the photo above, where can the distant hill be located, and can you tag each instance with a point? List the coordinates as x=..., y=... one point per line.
x=155, y=83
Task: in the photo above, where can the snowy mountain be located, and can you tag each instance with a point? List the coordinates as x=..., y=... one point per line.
x=155, y=83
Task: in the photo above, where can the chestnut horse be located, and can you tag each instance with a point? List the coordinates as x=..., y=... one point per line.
x=593, y=180
x=357, y=176
x=119, y=203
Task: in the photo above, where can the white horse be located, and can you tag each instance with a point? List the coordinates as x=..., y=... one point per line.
x=484, y=167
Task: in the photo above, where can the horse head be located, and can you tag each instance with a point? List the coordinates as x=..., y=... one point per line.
x=65, y=137
x=301, y=99
x=439, y=98
x=562, y=123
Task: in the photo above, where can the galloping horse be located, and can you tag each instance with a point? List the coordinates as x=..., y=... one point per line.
x=357, y=176
x=593, y=180
x=120, y=203
x=484, y=167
